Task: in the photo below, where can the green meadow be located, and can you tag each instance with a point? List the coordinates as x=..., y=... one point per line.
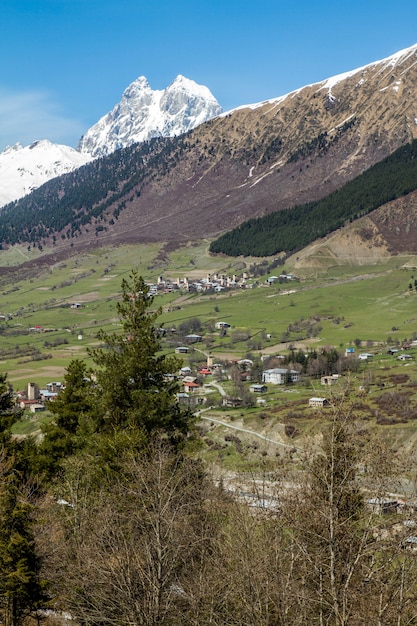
x=368, y=308
x=339, y=306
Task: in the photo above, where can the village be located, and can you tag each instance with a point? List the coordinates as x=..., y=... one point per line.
x=217, y=282
x=199, y=384
x=239, y=382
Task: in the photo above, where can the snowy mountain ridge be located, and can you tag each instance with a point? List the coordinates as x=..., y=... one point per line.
x=328, y=83
x=23, y=169
x=143, y=114
x=140, y=115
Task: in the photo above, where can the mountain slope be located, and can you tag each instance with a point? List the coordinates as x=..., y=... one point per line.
x=247, y=163
x=388, y=231
x=293, y=229
x=143, y=114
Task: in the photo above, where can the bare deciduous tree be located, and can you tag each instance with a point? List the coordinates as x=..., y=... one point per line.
x=133, y=547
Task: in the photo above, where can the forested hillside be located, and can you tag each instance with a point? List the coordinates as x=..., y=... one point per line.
x=296, y=227
x=78, y=200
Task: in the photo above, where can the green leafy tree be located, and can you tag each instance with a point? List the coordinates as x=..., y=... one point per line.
x=134, y=383
x=7, y=413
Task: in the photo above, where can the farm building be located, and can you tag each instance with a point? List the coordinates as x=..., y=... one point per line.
x=257, y=388
x=318, y=403
x=182, y=350
x=329, y=380
x=194, y=338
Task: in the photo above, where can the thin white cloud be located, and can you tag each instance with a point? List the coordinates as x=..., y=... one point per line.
x=28, y=116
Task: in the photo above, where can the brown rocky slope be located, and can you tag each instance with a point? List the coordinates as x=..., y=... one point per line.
x=279, y=153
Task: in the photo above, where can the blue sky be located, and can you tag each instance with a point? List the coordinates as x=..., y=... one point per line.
x=65, y=63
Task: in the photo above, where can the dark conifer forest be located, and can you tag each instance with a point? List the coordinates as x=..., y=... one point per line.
x=68, y=203
x=296, y=227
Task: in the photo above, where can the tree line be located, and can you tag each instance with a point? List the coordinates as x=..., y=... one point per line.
x=66, y=205
x=294, y=228
x=113, y=518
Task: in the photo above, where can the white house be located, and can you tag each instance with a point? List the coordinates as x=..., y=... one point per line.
x=222, y=325
x=36, y=407
x=278, y=376
x=318, y=402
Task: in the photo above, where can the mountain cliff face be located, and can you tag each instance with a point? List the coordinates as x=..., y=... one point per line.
x=140, y=115
x=246, y=163
x=143, y=114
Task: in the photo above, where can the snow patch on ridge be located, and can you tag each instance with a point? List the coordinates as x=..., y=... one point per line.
x=23, y=169
x=331, y=82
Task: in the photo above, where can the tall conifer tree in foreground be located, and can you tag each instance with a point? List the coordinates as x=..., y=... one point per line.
x=21, y=590
x=133, y=376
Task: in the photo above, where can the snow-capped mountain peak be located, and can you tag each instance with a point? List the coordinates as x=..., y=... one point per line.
x=144, y=113
x=141, y=114
x=23, y=169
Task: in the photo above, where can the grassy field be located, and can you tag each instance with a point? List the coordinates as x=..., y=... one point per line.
x=369, y=308
x=370, y=305
x=94, y=281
